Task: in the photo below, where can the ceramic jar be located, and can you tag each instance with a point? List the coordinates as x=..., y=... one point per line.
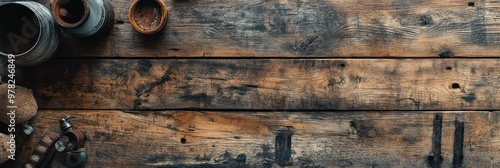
x=148, y=16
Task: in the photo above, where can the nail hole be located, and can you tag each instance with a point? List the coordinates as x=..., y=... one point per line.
x=342, y=65
x=120, y=21
x=425, y=20
x=449, y=68
x=183, y=140
x=471, y=4
x=455, y=86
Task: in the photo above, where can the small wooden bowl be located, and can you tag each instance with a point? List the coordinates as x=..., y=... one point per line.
x=148, y=16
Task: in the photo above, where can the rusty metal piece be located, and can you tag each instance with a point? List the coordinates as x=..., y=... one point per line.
x=76, y=140
x=71, y=140
x=28, y=32
x=42, y=153
x=84, y=18
x=148, y=16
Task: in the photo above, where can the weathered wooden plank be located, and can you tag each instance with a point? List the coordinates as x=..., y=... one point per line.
x=328, y=84
x=291, y=28
x=256, y=139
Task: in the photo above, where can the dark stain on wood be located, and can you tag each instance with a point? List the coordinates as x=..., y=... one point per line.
x=425, y=20
x=201, y=98
x=363, y=129
x=206, y=165
x=226, y=160
x=157, y=158
x=307, y=162
x=144, y=66
x=411, y=139
x=266, y=156
x=244, y=88
x=445, y=53
x=146, y=88
x=435, y=159
x=458, y=144
x=469, y=97
x=137, y=103
x=283, y=148
x=479, y=33
x=203, y=158
x=45, y=97
x=100, y=135
x=102, y=153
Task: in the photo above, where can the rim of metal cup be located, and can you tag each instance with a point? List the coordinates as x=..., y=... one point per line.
x=39, y=26
x=100, y=11
x=42, y=14
x=56, y=6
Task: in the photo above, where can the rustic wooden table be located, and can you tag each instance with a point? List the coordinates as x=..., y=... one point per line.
x=297, y=83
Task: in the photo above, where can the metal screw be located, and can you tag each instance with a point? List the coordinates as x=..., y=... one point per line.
x=65, y=124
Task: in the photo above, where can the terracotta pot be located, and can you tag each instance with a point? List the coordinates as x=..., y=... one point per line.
x=148, y=16
x=84, y=18
x=28, y=31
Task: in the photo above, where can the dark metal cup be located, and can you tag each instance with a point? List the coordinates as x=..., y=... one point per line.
x=28, y=32
x=84, y=18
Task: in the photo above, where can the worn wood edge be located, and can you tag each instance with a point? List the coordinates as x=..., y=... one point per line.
x=249, y=139
x=266, y=84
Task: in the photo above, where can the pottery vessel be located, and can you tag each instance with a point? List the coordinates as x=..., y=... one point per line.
x=148, y=16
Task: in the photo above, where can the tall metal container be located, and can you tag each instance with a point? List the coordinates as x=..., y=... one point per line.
x=84, y=18
x=28, y=31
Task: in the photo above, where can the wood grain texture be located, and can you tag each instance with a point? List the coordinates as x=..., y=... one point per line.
x=249, y=139
x=327, y=84
x=305, y=28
